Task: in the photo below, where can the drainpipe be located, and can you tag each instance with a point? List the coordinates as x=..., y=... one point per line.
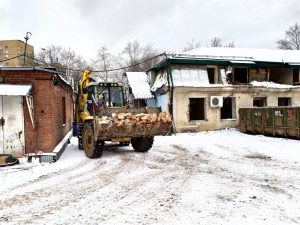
x=170, y=78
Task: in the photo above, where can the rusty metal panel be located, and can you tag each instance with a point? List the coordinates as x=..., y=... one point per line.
x=280, y=121
x=242, y=120
x=291, y=117
x=257, y=118
x=249, y=120
x=279, y=115
x=267, y=117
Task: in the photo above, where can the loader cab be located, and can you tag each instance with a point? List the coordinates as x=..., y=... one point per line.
x=105, y=95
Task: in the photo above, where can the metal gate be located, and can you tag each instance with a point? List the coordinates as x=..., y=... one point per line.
x=11, y=125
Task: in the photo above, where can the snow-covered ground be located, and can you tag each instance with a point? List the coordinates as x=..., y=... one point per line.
x=220, y=177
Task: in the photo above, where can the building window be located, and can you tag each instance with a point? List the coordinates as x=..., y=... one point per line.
x=197, y=108
x=295, y=76
x=228, y=109
x=64, y=110
x=211, y=75
x=284, y=102
x=259, y=101
x=241, y=75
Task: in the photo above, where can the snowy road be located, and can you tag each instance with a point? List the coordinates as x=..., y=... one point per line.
x=222, y=177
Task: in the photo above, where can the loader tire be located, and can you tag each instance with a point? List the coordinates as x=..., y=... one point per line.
x=142, y=144
x=79, y=136
x=92, y=148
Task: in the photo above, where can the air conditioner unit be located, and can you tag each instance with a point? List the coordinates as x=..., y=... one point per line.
x=216, y=101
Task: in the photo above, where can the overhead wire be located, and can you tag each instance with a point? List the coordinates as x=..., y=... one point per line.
x=80, y=70
x=8, y=59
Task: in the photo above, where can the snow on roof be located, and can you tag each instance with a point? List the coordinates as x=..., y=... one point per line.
x=15, y=89
x=271, y=85
x=139, y=85
x=249, y=54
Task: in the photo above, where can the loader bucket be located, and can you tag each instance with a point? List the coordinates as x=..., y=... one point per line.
x=112, y=123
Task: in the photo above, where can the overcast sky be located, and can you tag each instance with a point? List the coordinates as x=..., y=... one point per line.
x=86, y=25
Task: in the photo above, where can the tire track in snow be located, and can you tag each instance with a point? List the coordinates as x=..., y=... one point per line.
x=138, y=194
x=48, y=175
x=101, y=180
x=41, y=198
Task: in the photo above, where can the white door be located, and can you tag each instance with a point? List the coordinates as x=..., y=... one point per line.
x=11, y=125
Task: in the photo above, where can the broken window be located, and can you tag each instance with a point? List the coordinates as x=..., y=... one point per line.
x=284, y=101
x=295, y=76
x=259, y=101
x=258, y=74
x=196, y=108
x=241, y=75
x=228, y=109
x=211, y=75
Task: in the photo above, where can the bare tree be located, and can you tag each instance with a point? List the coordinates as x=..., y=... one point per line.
x=216, y=42
x=50, y=54
x=230, y=45
x=64, y=60
x=134, y=54
x=149, y=57
x=292, y=38
x=191, y=45
x=104, y=62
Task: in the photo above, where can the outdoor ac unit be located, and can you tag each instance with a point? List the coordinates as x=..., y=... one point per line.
x=216, y=101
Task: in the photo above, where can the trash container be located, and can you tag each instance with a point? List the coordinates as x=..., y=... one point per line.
x=276, y=121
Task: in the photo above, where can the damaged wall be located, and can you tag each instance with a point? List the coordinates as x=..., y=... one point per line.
x=281, y=75
x=242, y=98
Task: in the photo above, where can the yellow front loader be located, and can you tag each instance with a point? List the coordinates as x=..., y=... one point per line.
x=102, y=114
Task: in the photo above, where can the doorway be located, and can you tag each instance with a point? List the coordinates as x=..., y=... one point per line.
x=11, y=125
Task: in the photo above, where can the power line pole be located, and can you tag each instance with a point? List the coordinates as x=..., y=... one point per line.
x=28, y=35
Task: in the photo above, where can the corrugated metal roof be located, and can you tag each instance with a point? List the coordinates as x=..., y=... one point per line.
x=15, y=89
x=139, y=85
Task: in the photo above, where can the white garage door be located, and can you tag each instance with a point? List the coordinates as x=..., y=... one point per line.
x=11, y=125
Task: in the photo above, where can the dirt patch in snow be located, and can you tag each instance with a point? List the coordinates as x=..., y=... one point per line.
x=258, y=156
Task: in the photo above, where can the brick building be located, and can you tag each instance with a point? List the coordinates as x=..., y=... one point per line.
x=36, y=110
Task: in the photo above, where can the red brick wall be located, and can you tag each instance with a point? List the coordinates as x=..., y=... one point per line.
x=59, y=128
x=47, y=101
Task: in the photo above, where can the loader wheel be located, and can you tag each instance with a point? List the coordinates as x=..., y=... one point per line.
x=142, y=144
x=79, y=136
x=92, y=148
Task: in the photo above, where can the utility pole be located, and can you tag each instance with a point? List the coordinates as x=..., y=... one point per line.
x=28, y=35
